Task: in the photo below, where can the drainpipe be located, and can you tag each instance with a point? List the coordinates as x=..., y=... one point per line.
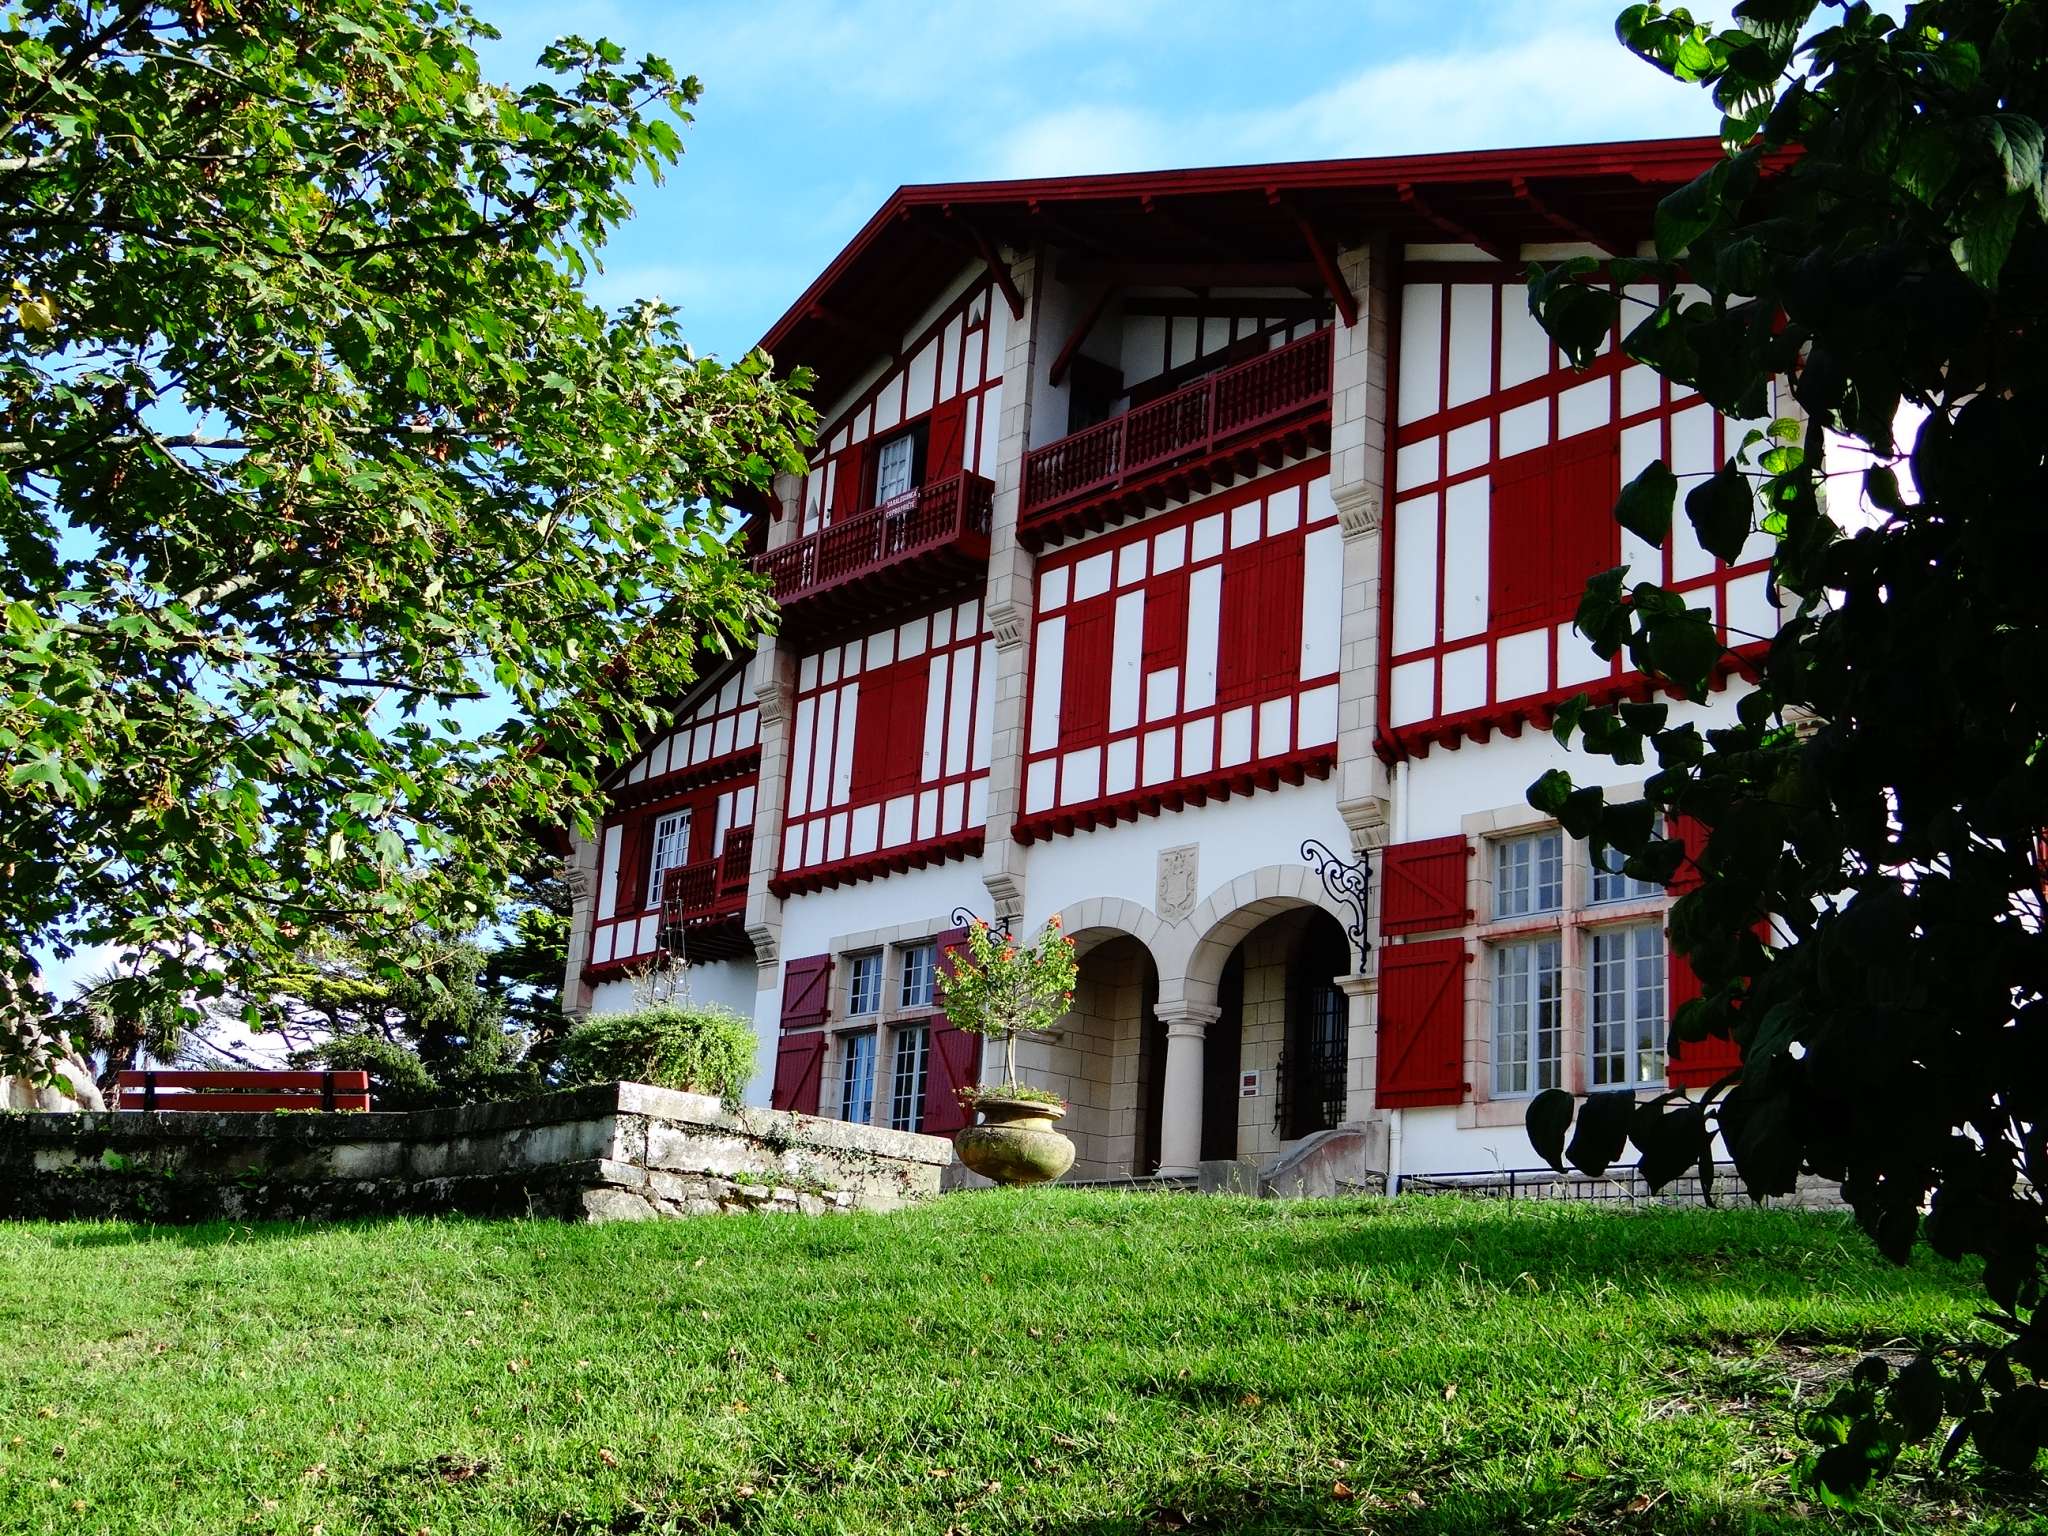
x=1393, y=1151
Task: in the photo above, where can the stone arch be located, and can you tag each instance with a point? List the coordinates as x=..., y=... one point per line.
x=1201, y=944
x=1098, y=919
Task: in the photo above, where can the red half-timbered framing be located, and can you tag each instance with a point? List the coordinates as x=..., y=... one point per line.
x=1191, y=657
x=1506, y=466
x=902, y=485
x=702, y=774
x=889, y=751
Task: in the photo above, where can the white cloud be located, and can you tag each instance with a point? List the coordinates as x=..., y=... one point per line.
x=1557, y=88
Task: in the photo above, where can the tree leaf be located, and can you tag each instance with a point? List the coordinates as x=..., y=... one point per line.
x=1721, y=510
x=1645, y=505
x=1547, y=1118
x=1602, y=1134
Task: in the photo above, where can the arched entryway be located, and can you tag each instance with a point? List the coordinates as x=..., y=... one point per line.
x=1106, y=1057
x=1274, y=1064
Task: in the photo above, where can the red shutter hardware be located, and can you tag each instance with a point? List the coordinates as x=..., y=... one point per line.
x=799, y=1069
x=806, y=992
x=1422, y=1024
x=1422, y=886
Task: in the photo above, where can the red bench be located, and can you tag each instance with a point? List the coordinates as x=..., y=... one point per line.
x=242, y=1090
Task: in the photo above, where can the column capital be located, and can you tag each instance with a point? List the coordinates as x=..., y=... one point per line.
x=1358, y=508
x=1360, y=985
x=1187, y=1020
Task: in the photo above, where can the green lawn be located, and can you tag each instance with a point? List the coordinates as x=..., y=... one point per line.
x=1068, y=1363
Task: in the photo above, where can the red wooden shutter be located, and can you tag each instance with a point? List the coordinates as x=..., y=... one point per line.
x=943, y=443
x=955, y=1063
x=1422, y=886
x=1518, y=553
x=848, y=494
x=1422, y=1024
x=1084, y=682
x=1240, y=659
x=903, y=761
x=1279, y=619
x=1166, y=620
x=799, y=1069
x=1585, y=538
x=955, y=1059
x=871, y=721
x=806, y=992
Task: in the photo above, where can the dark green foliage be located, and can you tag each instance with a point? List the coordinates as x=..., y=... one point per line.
x=671, y=1045
x=308, y=437
x=418, y=1019
x=1875, y=235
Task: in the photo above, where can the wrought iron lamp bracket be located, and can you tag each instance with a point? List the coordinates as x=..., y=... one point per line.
x=1346, y=882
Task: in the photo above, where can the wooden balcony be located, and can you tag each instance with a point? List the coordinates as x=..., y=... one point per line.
x=703, y=904
x=1207, y=435
x=905, y=551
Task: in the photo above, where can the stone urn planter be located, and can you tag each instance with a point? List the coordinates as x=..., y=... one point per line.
x=1016, y=1142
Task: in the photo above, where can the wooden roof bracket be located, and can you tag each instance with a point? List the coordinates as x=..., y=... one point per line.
x=998, y=268
x=1558, y=219
x=1325, y=258
x=1072, y=347
x=1463, y=233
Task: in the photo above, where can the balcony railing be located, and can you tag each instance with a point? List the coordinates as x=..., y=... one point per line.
x=950, y=515
x=1209, y=414
x=709, y=890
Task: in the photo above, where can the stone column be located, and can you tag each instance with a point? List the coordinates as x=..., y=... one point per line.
x=581, y=871
x=1010, y=601
x=1361, y=1047
x=1180, y=1110
x=1358, y=460
x=774, y=683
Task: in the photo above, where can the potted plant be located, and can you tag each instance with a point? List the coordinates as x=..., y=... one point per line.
x=998, y=987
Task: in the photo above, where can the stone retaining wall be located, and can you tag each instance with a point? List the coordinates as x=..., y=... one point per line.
x=615, y=1152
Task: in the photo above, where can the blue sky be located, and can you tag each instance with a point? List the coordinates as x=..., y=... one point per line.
x=815, y=110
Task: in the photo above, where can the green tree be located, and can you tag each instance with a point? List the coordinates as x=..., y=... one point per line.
x=308, y=440
x=1874, y=235
x=116, y=1017
x=417, y=1017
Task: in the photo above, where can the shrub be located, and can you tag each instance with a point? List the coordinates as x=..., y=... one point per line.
x=699, y=1049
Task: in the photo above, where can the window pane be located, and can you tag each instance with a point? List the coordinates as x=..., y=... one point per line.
x=864, y=985
x=671, y=842
x=857, y=1082
x=906, y=1098
x=1528, y=1048
x=892, y=469
x=916, y=991
x=1627, y=1036
x=1528, y=874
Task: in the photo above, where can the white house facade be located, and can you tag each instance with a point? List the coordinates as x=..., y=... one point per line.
x=1160, y=524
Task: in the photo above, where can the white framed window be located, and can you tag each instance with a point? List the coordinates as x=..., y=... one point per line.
x=894, y=462
x=671, y=842
x=1627, y=1041
x=916, y=989
x=907, y=1078
x=1528, y=874
x=1527, y=1001
x=864, y=984
x=857, y=1079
